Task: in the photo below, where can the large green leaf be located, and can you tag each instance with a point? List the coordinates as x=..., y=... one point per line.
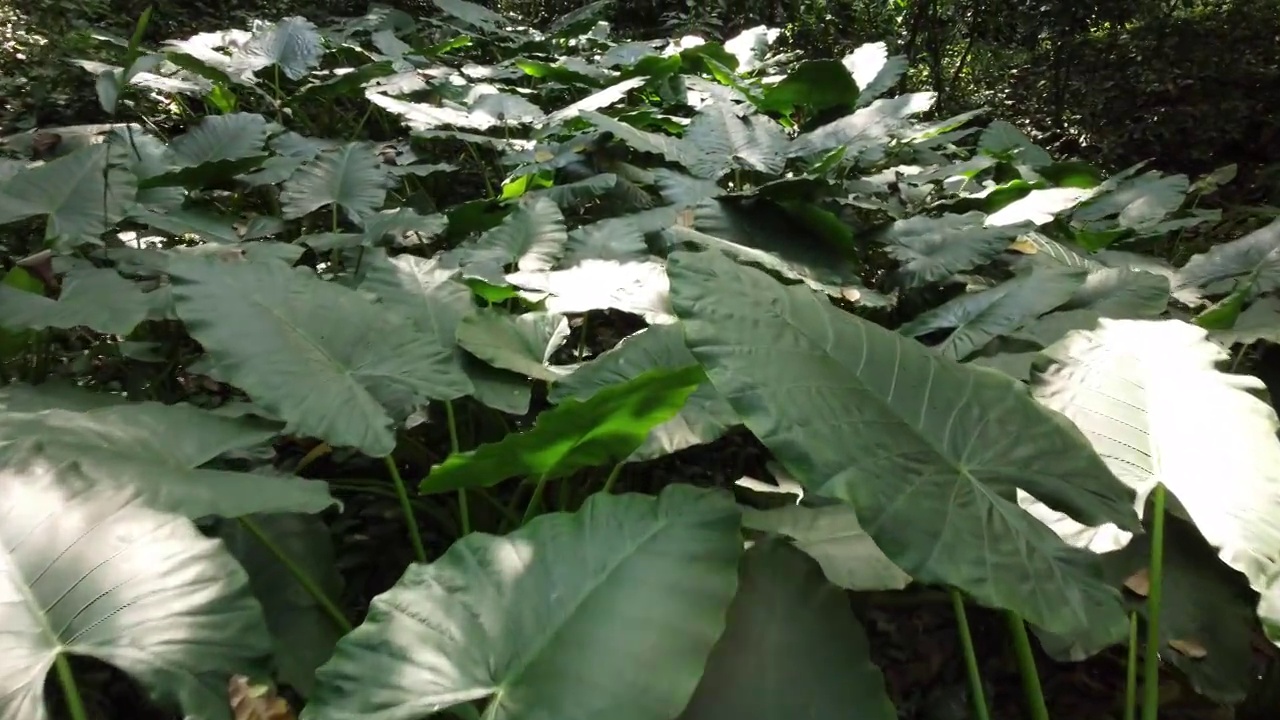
x=292, y=44
x=518, y=343
x=976, y=319
x=1207, y=612
x=610, y=612
x=220, y=138
x=474, y=15
x=1003, y=140
x=832, y=535
x=937, y=248
x=1250, y=259
x=634, y=286
x=83, y=195
x=605, y=428
x=425, y=292
x=1138, y=203
x=156, y=449
x=866, y=132
x=18, y=280
x=96, y=298
x=667, y=146
x=303, y=634
x=703, y=419
x=1260, y=321
x=330, y=362
x=1128, y=383
x=762, y=232
x=92, y=569
x=351, y=177
x=815, y=85
x=724, y=136
x=928, y=452
x=792, y=649
x=874, y=70
x=1121, y=292
x=532, y=237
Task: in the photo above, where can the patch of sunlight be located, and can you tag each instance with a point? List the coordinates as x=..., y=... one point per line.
x=16, y=33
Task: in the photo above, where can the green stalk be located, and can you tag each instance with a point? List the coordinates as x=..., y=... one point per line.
x=1155, y=575
x=613, y=477
x=565, y=498
x=312, y=588
x=508, y=514
x=1027, y=667
x=1131, y=671
x=535, y=502
x=464, y=513
x=75, y=706
x=484, y=170
x=443, y=519
x=976, y=692
x=407, y=507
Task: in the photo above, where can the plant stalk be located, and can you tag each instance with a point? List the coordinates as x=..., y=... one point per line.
x=311, y=586
x=70, y=691
x=1131, y=671
x=407, y=507
x=1027, y=667
x=613, y=477
x=535, y=502
x=464, y=513
x=976, y=693
x=1155, y=576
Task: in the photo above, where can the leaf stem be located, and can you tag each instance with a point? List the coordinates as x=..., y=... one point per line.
x=1155, y=576
x=464, y=513
x=613, y=477
x=1131, y=671
x=1027, y=667
x=407, y=507
x=976, y=693
x=535, y=501
x=70, y=691
x=311, y=586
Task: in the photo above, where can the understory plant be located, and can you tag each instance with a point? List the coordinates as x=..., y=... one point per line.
x=485, y=270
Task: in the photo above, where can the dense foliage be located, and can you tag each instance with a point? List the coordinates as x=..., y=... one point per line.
x=498, y=275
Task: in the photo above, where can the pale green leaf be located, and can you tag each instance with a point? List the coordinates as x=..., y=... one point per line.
x=82, y=195
x=351, y=177
x=929, y=453
x=330, y=362
x=91, y=569
x=155, y=449
x=543, y=629
x=704, y=418
x=831, y=535
x=96, y=298
x=520, y=343
x=792, y=649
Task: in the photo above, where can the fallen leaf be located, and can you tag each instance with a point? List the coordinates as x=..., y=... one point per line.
x=1139, y=583
x=256, y=702
x=1024, y=246
x=1190, y=648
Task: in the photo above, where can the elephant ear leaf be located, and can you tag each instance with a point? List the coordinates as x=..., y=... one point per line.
x=90, y=569
x=567, y=607
x=1128, y=384
x=326, y=359
x=928, y=452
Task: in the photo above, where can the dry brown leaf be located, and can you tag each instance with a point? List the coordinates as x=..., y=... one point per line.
x=1190, y=648
x=1024, y=246
x=1139, y=583
x=256, y=702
